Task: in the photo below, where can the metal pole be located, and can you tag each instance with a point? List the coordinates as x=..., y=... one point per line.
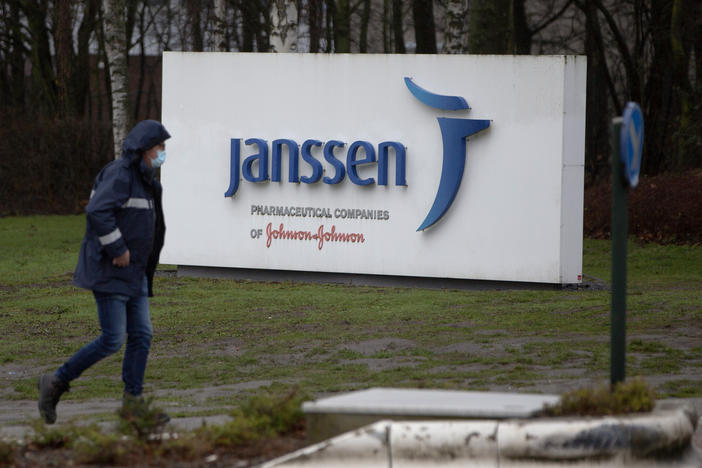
x=619, y=233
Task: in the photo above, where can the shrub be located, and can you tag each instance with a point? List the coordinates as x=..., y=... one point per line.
x=138, y=417
x=52, y=437
x=260, y=417
x=48, y=165
x=633, y=396
x=665, y=208
x=94, y=447
x=7, y=453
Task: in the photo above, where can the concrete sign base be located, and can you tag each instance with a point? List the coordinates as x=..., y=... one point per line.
x=658, y=439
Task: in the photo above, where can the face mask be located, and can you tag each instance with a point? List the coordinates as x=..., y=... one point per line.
x=159, y=159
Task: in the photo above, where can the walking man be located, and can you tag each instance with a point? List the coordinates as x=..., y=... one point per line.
x=118, y=256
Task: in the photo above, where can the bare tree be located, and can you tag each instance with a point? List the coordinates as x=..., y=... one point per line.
x=365, y=20
x=220, y=26
x=283, y=37
x=342, y=26
x=489, y=31
x=315, y=15
x=397, y=27
x=64, y=56
x=43, y=75
x=424, y=30
x=194, y=8
x=114, y=17
x=454, y=29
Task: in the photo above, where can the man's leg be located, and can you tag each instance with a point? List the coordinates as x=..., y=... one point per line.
x=139, y=333
x=113, y=323
x=136, y=353
x=112, y=316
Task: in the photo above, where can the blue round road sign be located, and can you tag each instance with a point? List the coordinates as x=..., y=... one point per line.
x=631, y=142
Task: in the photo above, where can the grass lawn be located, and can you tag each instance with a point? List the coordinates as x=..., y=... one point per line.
x=219, y=339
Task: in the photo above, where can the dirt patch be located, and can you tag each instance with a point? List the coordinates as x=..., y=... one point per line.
x=465, y=347
x=383, y=364
x=687, y=338
x=371, y=347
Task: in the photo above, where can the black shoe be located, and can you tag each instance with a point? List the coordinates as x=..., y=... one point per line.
x=50, y=390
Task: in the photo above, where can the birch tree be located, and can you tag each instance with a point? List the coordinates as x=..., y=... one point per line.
x=283, y=26
x=454, y=29
x=220, y=25
x=114, y=17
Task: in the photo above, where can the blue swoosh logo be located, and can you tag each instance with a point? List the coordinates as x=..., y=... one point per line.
x=438, y=101
x=454, y=133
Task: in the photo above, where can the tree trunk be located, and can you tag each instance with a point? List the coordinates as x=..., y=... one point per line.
x=142, y=65
x=597, y=145
x=114, y=12
x=283, y=37
x=521, y=35
x=43, y=77
x=424, y=31
x=220, y=26
x=263, y=30
x=329, y=21
x=398, y=30
x=17, y=85
x=365, y=19
x=454, y=31
x=386, y=27
x=315, y=11
x=249, y=20
x=64, y=56
x=342, y=27
x=81, y=88
x=682, y=37
x=659, y=107
x=489, y=30
x=193, y=8
x=627, y=51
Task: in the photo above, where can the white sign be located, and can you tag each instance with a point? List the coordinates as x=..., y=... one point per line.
x=360, y=164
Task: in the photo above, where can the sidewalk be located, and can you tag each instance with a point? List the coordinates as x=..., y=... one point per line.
x=16, y=417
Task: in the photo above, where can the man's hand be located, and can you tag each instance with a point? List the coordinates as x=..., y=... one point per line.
x=122, y=261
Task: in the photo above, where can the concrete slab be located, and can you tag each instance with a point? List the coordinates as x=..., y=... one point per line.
x=335, y=415
x=435, y=403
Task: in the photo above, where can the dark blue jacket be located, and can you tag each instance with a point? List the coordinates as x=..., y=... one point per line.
x=124, y=212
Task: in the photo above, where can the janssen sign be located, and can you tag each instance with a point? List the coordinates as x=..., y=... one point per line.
x=467, y=167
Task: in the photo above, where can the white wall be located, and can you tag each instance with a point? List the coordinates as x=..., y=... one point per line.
x=516, y=217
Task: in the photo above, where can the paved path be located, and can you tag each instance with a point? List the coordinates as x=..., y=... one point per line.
x=16, y=417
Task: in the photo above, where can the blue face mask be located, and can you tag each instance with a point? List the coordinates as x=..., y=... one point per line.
x=159, y=159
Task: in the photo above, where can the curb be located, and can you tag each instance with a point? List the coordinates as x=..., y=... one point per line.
x=661, y=438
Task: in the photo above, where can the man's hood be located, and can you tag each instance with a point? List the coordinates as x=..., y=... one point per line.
x=145, y=135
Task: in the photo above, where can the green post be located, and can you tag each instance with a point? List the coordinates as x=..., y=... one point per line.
x=619, y=231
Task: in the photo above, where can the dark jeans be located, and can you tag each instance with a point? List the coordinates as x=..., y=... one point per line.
x=119, y=316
